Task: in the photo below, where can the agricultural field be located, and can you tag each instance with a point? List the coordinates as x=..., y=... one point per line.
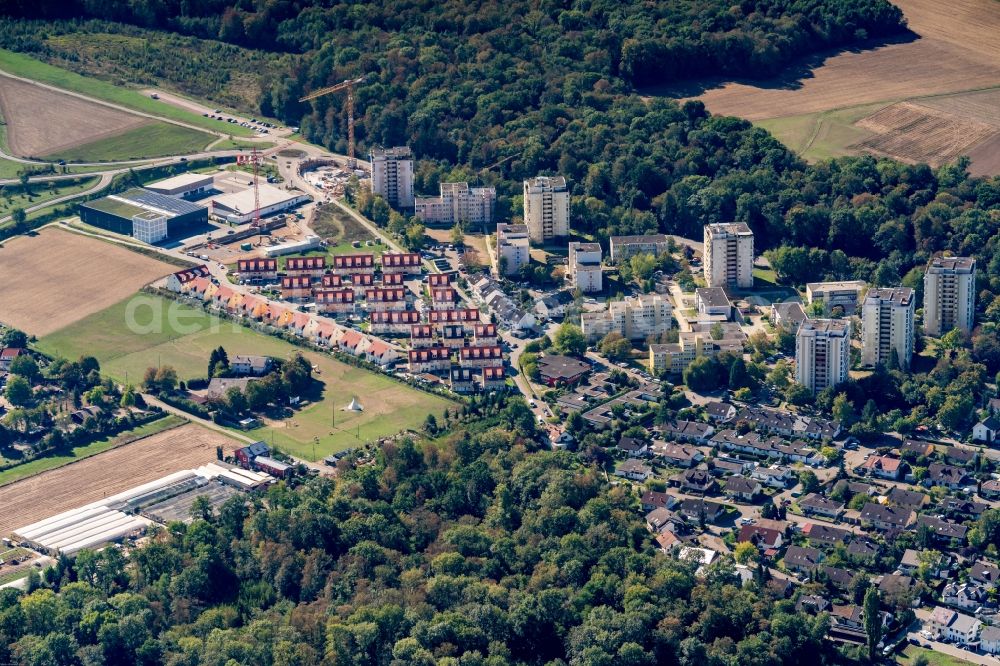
x=154, y=140
x=46, y=494
x=19, y=64
x=56, y=277
x=46, y=463
x=816, y=111
x=185, y=339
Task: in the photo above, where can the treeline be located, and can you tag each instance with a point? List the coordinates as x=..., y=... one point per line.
x=472, y=550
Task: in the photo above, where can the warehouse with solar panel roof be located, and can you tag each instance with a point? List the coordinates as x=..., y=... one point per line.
x=147, y=216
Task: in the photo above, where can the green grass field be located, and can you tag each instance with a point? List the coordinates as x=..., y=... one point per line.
x=22, y=65
x=236, y=144
x=155, y=140
x=186, y=336
x=934, y=658
x=41, y=193
x=40, y=465
x=822, y=135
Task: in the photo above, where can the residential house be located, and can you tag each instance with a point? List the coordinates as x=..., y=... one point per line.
x=966, y=596
x=398, y=323
x=335, y=301
x=917, y=448
x=480, y=357
x=741, y=488
x=677, y=455
x=765, y=538
x=633, y=448
x=439, y=279
x=429, y=359
x=882, y=467
x=494, y=379
x=453, y=337
x=817, y=505
x=557, y=370
x=257, y=270
x=634, y=470
x=948, y=476
x=652, y=499
x=802, y=558
x=386, y=299
x=986, y=430
x=837, y=577
x=351, y=264
x=985, y=573
x=990, y=489
x=421, y=335
x=393, y=280
x=960, y=455
x=700, y=510
x=884, y=517
x=862, y=548
x=989, y=639
x=775, y=476
x=314, y=267
x=943, y=530
x=484, y=334
x=812, y=604
x=462, y=380
x=910, y=562
x=907, y=499
x=241, y=364
x=895, y=586
x=695, y=480
x=401, y=262
x=686, y=431
x=296, y=287
x=659, y=520
x=825, y=535
x=554, y=306
x=954, y=626
x=787, y=315
x=722, y=466
x=720, y=412
x=177, y=282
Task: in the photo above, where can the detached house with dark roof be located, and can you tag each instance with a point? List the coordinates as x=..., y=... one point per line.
x=885, y=518
x=948, y=476
x=802, y=559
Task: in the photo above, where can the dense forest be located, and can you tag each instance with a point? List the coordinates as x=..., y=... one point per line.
x=472, y=549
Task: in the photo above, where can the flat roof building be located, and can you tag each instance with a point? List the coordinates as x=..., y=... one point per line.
x=843, y=294
x=729, y=255
x=513, y=249
x=546, y=208
x=822, y=353
x=585, y=271
x=949, y=295
x=887, y=326
x=142, y=212
x=457, y=203
x=238, y=207
x=624, y=247
x=636, y=317
x=189, y=185
x=392, y=175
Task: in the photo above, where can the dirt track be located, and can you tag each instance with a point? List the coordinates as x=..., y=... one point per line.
x=957, y=50
x=42, y=122
x=57, y=277
x=108, y=473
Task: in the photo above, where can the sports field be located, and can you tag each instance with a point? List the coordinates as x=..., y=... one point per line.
x=55, y=277
x=145, y=330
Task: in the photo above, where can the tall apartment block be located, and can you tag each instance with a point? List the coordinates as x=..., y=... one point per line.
x=585, y=267
x=513, y=248
x=456, y=203
x=822, y=353
x=887, y=324
x=949, y=295
x=546, y=208
x=392, y=175
x=636, y=318
x=729, y=255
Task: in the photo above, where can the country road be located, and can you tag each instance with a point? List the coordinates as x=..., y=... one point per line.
x=102, y=182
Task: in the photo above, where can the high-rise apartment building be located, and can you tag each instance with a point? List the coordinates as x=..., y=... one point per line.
x=457, y=203
x=949, y=295
x=729, y=255
x=392, y=175
x=585, y=267
x=546, y=208
x=887, y=325
x=636, y=318
x=822, y=353
x=513, y=249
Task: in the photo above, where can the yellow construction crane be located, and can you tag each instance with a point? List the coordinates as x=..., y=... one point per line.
x=347, y=85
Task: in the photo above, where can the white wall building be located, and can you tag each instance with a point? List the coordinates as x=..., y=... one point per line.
x=457, y=203
x=238, y=207
x=887, y=324
x=149, y=227
x=546, y=208
x=392, y=175
x=822, y=353
x=843, y=294
x=729, y=255
x=513, y=248
x=674, y=357
x=949, y=295
x=624, y=247
x=636, y=318
x=585, y=267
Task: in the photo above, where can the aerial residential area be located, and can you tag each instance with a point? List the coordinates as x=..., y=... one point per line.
x=492, y=334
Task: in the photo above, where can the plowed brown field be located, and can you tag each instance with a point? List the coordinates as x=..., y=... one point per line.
x=43, y=122
x=56, y=278
x=46, y=494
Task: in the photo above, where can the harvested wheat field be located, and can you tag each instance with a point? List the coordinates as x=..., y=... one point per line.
x=46, y=494
x=915, y=133
x=41, y=121
x=55, y=278
x=957, y=50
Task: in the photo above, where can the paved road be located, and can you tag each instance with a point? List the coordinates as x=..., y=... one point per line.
x=102, y=182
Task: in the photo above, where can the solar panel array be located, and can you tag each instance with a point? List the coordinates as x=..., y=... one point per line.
x=163, y=202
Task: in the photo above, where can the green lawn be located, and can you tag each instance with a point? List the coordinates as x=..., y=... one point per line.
x=155, y=140
x=824, y=134
x=187, y=336
x=41, y=193
x=236, y=144
x=933, y=658
x=40, y=465
x=22, y=65
x=11, y=576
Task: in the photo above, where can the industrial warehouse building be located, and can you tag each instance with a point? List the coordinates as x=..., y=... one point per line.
x=238, y=207
x=187, y=185
x=148, y=216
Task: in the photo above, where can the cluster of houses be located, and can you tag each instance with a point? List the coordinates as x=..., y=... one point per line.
x=901, y=517
x=489, y=294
